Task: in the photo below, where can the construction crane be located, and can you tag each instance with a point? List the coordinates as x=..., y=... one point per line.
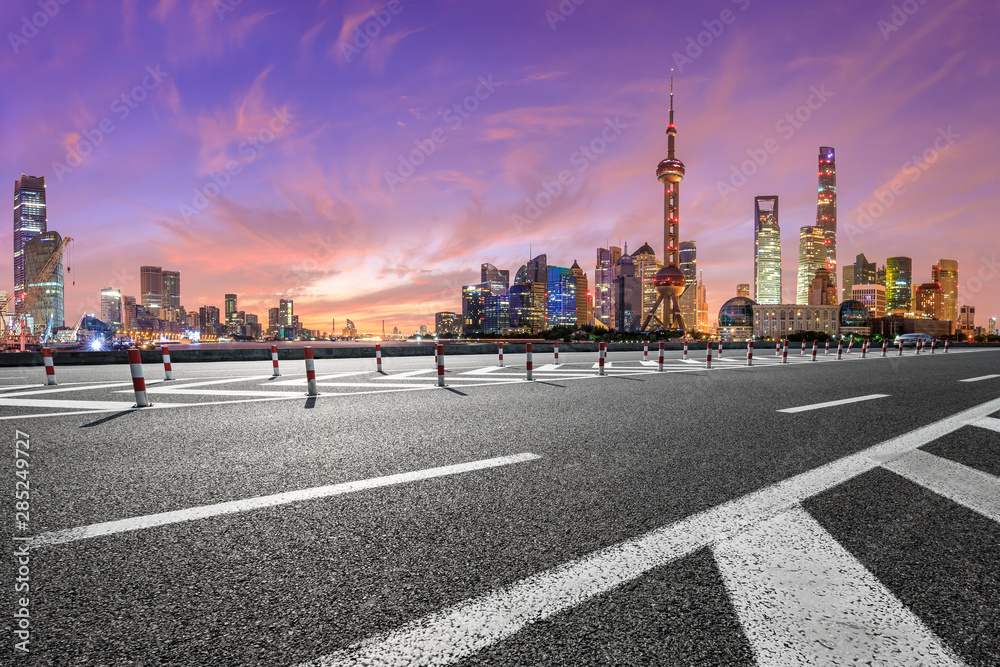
x=33, y=290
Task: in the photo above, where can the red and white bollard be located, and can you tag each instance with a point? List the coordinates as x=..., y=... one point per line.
x=439, y=361
x=660, y=358
x=555, y=352
x=899, y=350
x=274, y=361
x=50, y=369
x=720, y=348
x=826, y=350
x=645, y=351
x=749, y=353
x=685, y=350
x=784, y=353
x=500, y=351
x=708, y=355
x=850, y=344
x=946, y=345
x=815, y=348
x=840, y=349
x=917, y=347
x=802, y=350
x=529, y=364
x=138, y=381
x=933, y=344
x=168, y=372
x=310, y=372
x=777, y=348
x=601, y=349
x=378, y=358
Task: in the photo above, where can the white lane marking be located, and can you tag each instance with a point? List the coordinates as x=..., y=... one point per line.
x=597, y=364
x=483, y=371
x=991, y=423
x=977, y=490
x=181, y=391
x=476, y=623
x=981, y=377
x=830, y=404
x=57, y=403
x=248, y=504
x=70, y=386
x=407, y=374
x=319, y=378
x=202, y=383
x=803, y=599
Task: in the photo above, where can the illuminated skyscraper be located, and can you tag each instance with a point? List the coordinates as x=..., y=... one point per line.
x=847, y=284
x=151, y=289
x=929, y=299
x=627, y=298
x=583, y=314
x=30, y=220
x=529, y=296
x=604, y=277
x=946, y=273
x=743, y=290
x=172, y=296
x=562, y=297
x=898, y=283
x=767, y=250
x=111, y=308
x=689, y=267
x=47, y=308
x=646, y=267
x=812, y=253
x=826, y=209
x=286, y=313
x=472, y=310
x=496, y=299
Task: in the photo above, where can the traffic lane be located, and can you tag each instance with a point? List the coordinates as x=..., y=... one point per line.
x=202, y=455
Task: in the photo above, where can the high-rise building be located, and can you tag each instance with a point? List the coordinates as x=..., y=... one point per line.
x=231, y=310
x=208, y=320
x=929, y=299
x=702, y=307
x=946, y=273
x=561, y=297
x=446, y=323
x=273, y=320
x=898, y=283
x=646, y=266
x=583, y=314
x=991, y=327
x=826, y=209
x=847, y=282
x=689, y=267
x=151, y=289
x=743, y=289
x=529, y=306
x=767, y=250
x=872, y=295
x=472, y=309
x=172, y=296
x=627, y=296
x=670, y=280
x=967, y=320
x=496, y=299
x=880, y=276
x=128, y=314
x=111, y=308
x=821, y=291
x=604, y=277
x=286, y=313
x=30, y=220
x=865, y=272
x=812, y=253
x=47, y=288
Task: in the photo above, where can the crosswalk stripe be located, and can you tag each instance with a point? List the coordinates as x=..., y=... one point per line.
x=991, y=423
x=483, y=371
x=979, y=491
x=805, y=600
x=406, y=374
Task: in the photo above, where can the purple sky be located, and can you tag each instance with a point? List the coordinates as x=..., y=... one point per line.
x=311, y=118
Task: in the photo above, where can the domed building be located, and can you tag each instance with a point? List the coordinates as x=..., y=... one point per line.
x=854, y=319
x=736, y=318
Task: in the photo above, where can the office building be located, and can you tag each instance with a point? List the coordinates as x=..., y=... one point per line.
x=929, y=298
x=967, y=320
x=446, y=323
x=151, y=289
x=286, y=313
x=627, y=297
x=604, y=277
x=872, y=295
x=583, y=314
x=646, y=266
x=865, y=272
x=702, y=324
x=231, y=311
x=991, y=326
x=899, y=284
x=208, y=321
x=111, y=308
x=561, y=297
x=821, y=291
x=689, y=267
x=767, y=250
x=946, y=273
x=812, y=257
x=496, y=299
x=743, y=289
x=826, y=210
x=472, y=310
x=846, y=282
x=46, y=307
x=172, y=296
x=30, y=221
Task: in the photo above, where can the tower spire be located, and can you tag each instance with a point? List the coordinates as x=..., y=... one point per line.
x=671, y=129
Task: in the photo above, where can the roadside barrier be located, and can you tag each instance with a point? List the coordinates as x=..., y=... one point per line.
x=784, y=353
x=274, y=361
x=708, y=355
x=500, y=361
x=439, y=361
x=601, y=351
x=660, y=368
x=168, y=372
x=685, y=350
x=815, y=347
x=528, y=363
x=749, y=353
x=378, y=358
x=555, y=351
x=138, y=381
x=50, y=369
x=840, y=349
x=645, y=350
x=310, y=372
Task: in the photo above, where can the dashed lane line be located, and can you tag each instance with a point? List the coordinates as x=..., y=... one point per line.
x=980, y=378
x=830, y=404
x=249, y=504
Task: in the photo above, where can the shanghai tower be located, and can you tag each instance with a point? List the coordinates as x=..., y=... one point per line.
x=826, y=208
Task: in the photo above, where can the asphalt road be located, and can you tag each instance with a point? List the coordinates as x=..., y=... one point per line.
x=641, y=518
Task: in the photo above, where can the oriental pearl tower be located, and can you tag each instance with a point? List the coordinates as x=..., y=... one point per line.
x=669, y=281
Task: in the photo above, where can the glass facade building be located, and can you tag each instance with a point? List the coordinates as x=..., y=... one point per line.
x=46, y=307
x=561, y=297
x=496, y=299
x=898, y=283
x=627, y=297
x=472, y=310
x=812, y=254
x=767, y=250
x=604, y=278
x=736, y=318
x=30, y=221
x=826, y=208
x=689, y=299
x=946, y=273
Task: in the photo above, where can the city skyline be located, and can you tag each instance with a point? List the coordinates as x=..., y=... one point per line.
x=296, y=222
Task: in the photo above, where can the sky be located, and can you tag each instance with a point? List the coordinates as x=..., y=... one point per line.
x=364, y=158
